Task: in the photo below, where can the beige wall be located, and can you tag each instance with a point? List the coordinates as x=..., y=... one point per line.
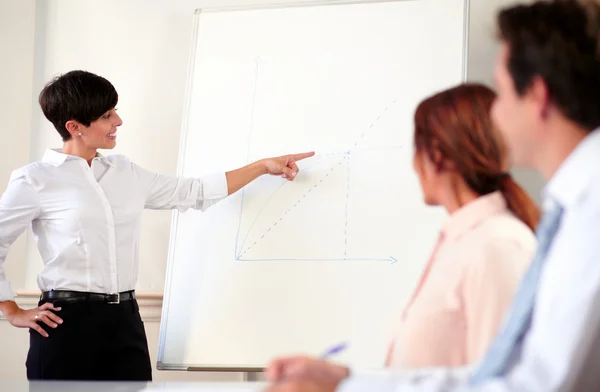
x=481, y=57
x=17, y=25
x=17, y=21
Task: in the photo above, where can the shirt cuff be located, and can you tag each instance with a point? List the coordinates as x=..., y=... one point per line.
x=385, y=380
x=6, y=294
x=365, y=383
x=380, y=380
x=214, y=186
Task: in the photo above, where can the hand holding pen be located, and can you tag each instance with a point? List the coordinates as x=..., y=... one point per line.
x=308, y=368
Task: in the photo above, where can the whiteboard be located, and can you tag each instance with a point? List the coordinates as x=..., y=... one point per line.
x=296, y=267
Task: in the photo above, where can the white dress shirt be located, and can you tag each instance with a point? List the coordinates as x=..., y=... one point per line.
x=567, y=300
x=86, y=219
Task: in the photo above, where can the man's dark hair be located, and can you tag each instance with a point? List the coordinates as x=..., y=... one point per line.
x=76, y=95
x=559, y=41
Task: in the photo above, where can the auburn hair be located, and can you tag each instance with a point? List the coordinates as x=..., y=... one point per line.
x=454, y=129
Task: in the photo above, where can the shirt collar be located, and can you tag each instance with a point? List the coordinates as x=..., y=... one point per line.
x=56, y=157
x=104, y=159
x=473, y=213
x=574, y=175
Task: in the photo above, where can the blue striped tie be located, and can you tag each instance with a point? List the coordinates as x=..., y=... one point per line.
x=496, y=360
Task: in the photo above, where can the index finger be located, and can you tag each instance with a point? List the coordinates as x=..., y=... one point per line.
x=49, y=306
x=275, y=370
x=301, y=156
x=54, y=317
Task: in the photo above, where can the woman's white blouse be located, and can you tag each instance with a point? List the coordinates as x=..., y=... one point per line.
x=86, y=219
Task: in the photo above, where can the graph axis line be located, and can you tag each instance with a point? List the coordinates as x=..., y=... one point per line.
x=251, y=126
x=239, y=252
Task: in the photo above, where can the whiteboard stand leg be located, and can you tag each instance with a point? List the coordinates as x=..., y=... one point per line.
x=250, y=376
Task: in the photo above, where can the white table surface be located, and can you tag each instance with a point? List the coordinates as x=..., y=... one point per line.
x=76, y=386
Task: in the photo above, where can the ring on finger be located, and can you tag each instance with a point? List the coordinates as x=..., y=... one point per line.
x=37, y=316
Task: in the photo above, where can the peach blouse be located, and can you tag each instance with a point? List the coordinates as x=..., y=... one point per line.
x=466, y=288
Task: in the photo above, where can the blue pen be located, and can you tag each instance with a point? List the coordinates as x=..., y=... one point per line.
x=334, y=350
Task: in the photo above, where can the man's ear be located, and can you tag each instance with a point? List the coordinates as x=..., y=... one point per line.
x=539, y=96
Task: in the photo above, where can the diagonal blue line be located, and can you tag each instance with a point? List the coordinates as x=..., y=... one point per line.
x=352, y=149
x=267, y=202
x=242, y=252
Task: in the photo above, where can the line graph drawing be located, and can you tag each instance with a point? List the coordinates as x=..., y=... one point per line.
x=265, y=218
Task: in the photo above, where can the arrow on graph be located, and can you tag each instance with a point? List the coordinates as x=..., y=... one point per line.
x=390, y=259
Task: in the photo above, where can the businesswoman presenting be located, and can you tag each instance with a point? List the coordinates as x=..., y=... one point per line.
x=85, y=210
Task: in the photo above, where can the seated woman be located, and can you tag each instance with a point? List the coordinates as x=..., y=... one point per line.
x=483, y=249
x=485, y=245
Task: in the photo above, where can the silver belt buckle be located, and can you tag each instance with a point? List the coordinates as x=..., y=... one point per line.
x=114, y=299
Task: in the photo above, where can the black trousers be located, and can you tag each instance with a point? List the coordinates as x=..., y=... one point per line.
x=96, y=341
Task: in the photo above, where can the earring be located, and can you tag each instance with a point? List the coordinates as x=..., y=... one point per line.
x=79, y=134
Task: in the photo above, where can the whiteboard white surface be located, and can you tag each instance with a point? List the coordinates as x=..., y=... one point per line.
x=295, y=267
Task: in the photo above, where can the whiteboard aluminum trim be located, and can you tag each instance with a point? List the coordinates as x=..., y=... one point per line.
x=175, y=215
x=291, y=5
x=466, y=31
x=160, y=365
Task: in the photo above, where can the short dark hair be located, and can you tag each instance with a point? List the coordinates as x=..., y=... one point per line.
x=559, y=41
x=76, y=95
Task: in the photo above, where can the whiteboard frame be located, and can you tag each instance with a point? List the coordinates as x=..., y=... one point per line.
x=160, y=365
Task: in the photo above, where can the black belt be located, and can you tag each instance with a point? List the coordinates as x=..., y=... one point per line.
x=81, y=296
